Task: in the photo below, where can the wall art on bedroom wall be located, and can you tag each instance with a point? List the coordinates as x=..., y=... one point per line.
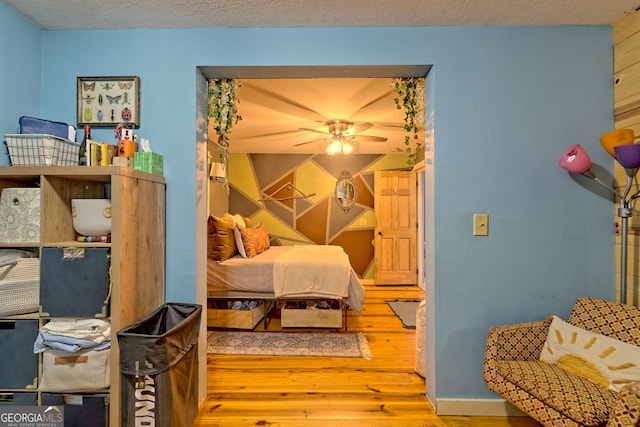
x=317, y=219
x=108, y=101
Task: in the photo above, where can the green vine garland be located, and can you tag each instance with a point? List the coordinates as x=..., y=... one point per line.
x=410, y=99
x=223, y=107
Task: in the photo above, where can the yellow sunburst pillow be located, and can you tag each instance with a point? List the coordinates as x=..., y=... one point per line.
x=606, y=361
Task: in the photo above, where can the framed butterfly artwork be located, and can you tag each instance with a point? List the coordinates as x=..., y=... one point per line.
x=108, y=101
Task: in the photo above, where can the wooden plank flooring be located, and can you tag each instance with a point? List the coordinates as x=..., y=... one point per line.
x=323, y=391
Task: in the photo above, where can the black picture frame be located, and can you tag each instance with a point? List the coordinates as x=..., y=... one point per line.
x=108, y=101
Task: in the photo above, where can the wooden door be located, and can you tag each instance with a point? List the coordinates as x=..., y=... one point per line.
x=395, y=227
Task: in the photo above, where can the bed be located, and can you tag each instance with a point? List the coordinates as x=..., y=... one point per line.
x=302, y=271
x=242, y=265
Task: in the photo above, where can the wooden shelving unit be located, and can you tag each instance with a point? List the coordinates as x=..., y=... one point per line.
x=137, y=245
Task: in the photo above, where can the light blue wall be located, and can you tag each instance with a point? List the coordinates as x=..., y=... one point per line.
x=20, y=71
x=508, y=101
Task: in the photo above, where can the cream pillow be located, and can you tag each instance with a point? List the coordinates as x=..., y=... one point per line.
x=606, y=361
x=236, y=220
x=238, y=237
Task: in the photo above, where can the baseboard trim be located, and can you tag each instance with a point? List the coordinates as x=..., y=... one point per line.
x=477, y=408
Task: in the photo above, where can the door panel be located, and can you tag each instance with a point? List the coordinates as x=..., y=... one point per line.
x=396, y=227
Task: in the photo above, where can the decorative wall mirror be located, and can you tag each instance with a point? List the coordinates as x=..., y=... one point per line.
x=346, y=191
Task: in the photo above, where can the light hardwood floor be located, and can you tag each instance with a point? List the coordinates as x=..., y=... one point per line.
x=322, y=391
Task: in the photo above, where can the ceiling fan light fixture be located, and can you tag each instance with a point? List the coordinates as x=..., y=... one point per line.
x=340, y=130
x=334, y=148
x=339, y=147
x=346, y=148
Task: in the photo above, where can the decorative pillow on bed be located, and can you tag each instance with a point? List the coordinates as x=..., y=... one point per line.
x=236, y=219
x=255, y=240
x=604, y=360
x=221, y=243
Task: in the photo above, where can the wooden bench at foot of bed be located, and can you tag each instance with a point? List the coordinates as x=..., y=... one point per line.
x=292, y=315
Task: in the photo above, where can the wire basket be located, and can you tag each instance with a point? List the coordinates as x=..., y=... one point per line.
x=42, y=150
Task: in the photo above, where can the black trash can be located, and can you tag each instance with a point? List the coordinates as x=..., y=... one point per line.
x=159, y=367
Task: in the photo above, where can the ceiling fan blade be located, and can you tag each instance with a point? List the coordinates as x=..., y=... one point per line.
x=359, y=127
x=316, y=131
x=309, y=142
x=266, y=135
x=366, y=138
x=385, y=98
x=390, y=125
x=272, y=100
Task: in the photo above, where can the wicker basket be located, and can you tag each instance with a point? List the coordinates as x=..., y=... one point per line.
x=42, y=150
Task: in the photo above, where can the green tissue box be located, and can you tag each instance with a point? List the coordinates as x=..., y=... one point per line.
x=148, y=162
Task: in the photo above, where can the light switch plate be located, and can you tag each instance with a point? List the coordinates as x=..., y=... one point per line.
x=480, y=224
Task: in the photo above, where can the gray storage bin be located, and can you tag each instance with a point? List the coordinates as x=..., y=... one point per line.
x=80, y=410
x=159, y=367
x=18, y=399
x=19, y=367
x=74, y=282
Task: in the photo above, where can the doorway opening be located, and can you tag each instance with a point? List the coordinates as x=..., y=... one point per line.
x=280, y=140
x=328, y=72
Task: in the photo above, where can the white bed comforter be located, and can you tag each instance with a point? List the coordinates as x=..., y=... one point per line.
x=321, y=278
x=312, y=270
x=318, y=270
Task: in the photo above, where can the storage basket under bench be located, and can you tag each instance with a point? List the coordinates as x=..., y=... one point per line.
x=294, y=312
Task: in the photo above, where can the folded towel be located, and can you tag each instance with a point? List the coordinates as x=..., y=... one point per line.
x=45, y=341
x=73, y=335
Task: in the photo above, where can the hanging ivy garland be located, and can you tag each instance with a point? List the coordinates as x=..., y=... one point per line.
x=410, y=98
x=223, y=107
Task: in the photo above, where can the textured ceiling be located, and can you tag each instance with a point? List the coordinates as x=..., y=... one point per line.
x=121, y=14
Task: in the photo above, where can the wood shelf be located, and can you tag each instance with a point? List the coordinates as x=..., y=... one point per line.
x=137, y=248
x=76, y=244
x=88, y=173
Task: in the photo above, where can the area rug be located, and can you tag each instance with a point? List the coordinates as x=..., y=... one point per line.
x=289, y=344
x=405, y=310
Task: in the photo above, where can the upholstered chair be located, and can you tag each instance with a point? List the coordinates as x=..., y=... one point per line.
x=554, y=396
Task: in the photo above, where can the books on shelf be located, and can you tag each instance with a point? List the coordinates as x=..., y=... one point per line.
x=100, y=153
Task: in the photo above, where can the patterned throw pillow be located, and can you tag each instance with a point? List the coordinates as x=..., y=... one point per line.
x=606, y=361
x=254, y=240
x=221, y=244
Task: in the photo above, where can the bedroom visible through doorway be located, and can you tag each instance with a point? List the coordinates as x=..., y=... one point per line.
x=295, y=72
x=290, y=189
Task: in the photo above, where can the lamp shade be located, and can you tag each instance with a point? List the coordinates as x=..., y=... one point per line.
x=628, y=155
x=575, y=159
x=616, y=138
x=218, y=172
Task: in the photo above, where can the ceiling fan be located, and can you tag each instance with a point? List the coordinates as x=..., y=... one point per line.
x=343, y=130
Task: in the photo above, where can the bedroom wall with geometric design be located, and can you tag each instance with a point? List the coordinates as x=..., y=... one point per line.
x=293, y=196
